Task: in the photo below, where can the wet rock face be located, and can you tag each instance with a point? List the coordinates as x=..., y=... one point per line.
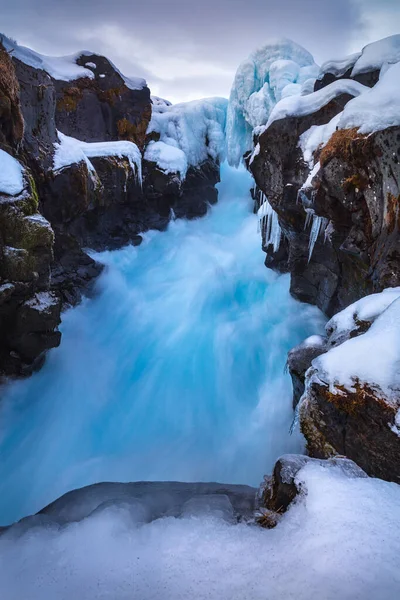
x=103, y=108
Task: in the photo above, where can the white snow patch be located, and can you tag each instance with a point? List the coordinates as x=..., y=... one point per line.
x=372, y=358
x=299, y=106
x=375, y=55
x=91, y=65
x=307, y=185
x=267, y=75
x=338, y=67
x=70, y=150
x=42, y=301
x=11, y=175
x=317, y=137
x=378, y=107
x=168, y=158
x=340, y=540
x=63, y=68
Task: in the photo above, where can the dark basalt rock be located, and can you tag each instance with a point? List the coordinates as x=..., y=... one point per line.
x=355, y=424
x=103, y=108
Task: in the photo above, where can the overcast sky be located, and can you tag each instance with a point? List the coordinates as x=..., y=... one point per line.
x=191, y=49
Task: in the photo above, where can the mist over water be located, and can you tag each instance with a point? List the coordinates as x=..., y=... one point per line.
x=174, y=371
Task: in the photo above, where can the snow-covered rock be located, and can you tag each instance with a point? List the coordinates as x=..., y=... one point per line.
x=267, y=75
x=69, y=151
x=352, y=391
x=63, y=68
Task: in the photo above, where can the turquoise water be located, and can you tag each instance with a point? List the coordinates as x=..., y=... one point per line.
x=174, y=371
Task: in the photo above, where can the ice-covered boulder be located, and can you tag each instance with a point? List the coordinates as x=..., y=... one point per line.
x=351, y=404
x=269, y=74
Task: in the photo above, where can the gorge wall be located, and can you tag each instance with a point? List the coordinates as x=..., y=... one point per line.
x=76, y=133
x=327, y=169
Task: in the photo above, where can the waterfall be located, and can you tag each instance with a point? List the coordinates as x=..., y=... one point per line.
x=269, y=224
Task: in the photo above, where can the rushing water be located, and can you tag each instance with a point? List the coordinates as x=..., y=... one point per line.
x=174, y=371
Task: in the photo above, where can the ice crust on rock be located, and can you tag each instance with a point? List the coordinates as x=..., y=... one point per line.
x=11, y=175
x=332, y=543
x=266, y=76
x=69, y=150
x=190, y=133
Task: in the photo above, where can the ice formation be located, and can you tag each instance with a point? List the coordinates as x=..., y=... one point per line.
x=70, y=150
x=341, y=539
x=11, y=175
x=269, y=224
x=190, y=133
x=318, y=226
x=378, y=107
x=269, y=74
x=63, y=68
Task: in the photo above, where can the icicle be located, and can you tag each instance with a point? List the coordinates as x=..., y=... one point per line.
x=309, y=215
x=319, y=224
x=172, y=215
x=269, y=224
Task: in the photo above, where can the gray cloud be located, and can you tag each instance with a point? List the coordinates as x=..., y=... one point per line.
x=184, y=49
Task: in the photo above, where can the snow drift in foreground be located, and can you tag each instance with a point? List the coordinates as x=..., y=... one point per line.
x=271, y=73
x=11, y=175
x=190, y=133
x=69, y=150
x=63, y=68
x=340, y=540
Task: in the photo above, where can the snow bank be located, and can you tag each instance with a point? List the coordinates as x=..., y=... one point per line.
x=194, y=130
x=63, y=68
x=266, y=76
x=70, y=150
x=357, y=359
x=299, y=106
x=378, y=107
x=11, y=179
x=333, y=543
x=377, y=54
